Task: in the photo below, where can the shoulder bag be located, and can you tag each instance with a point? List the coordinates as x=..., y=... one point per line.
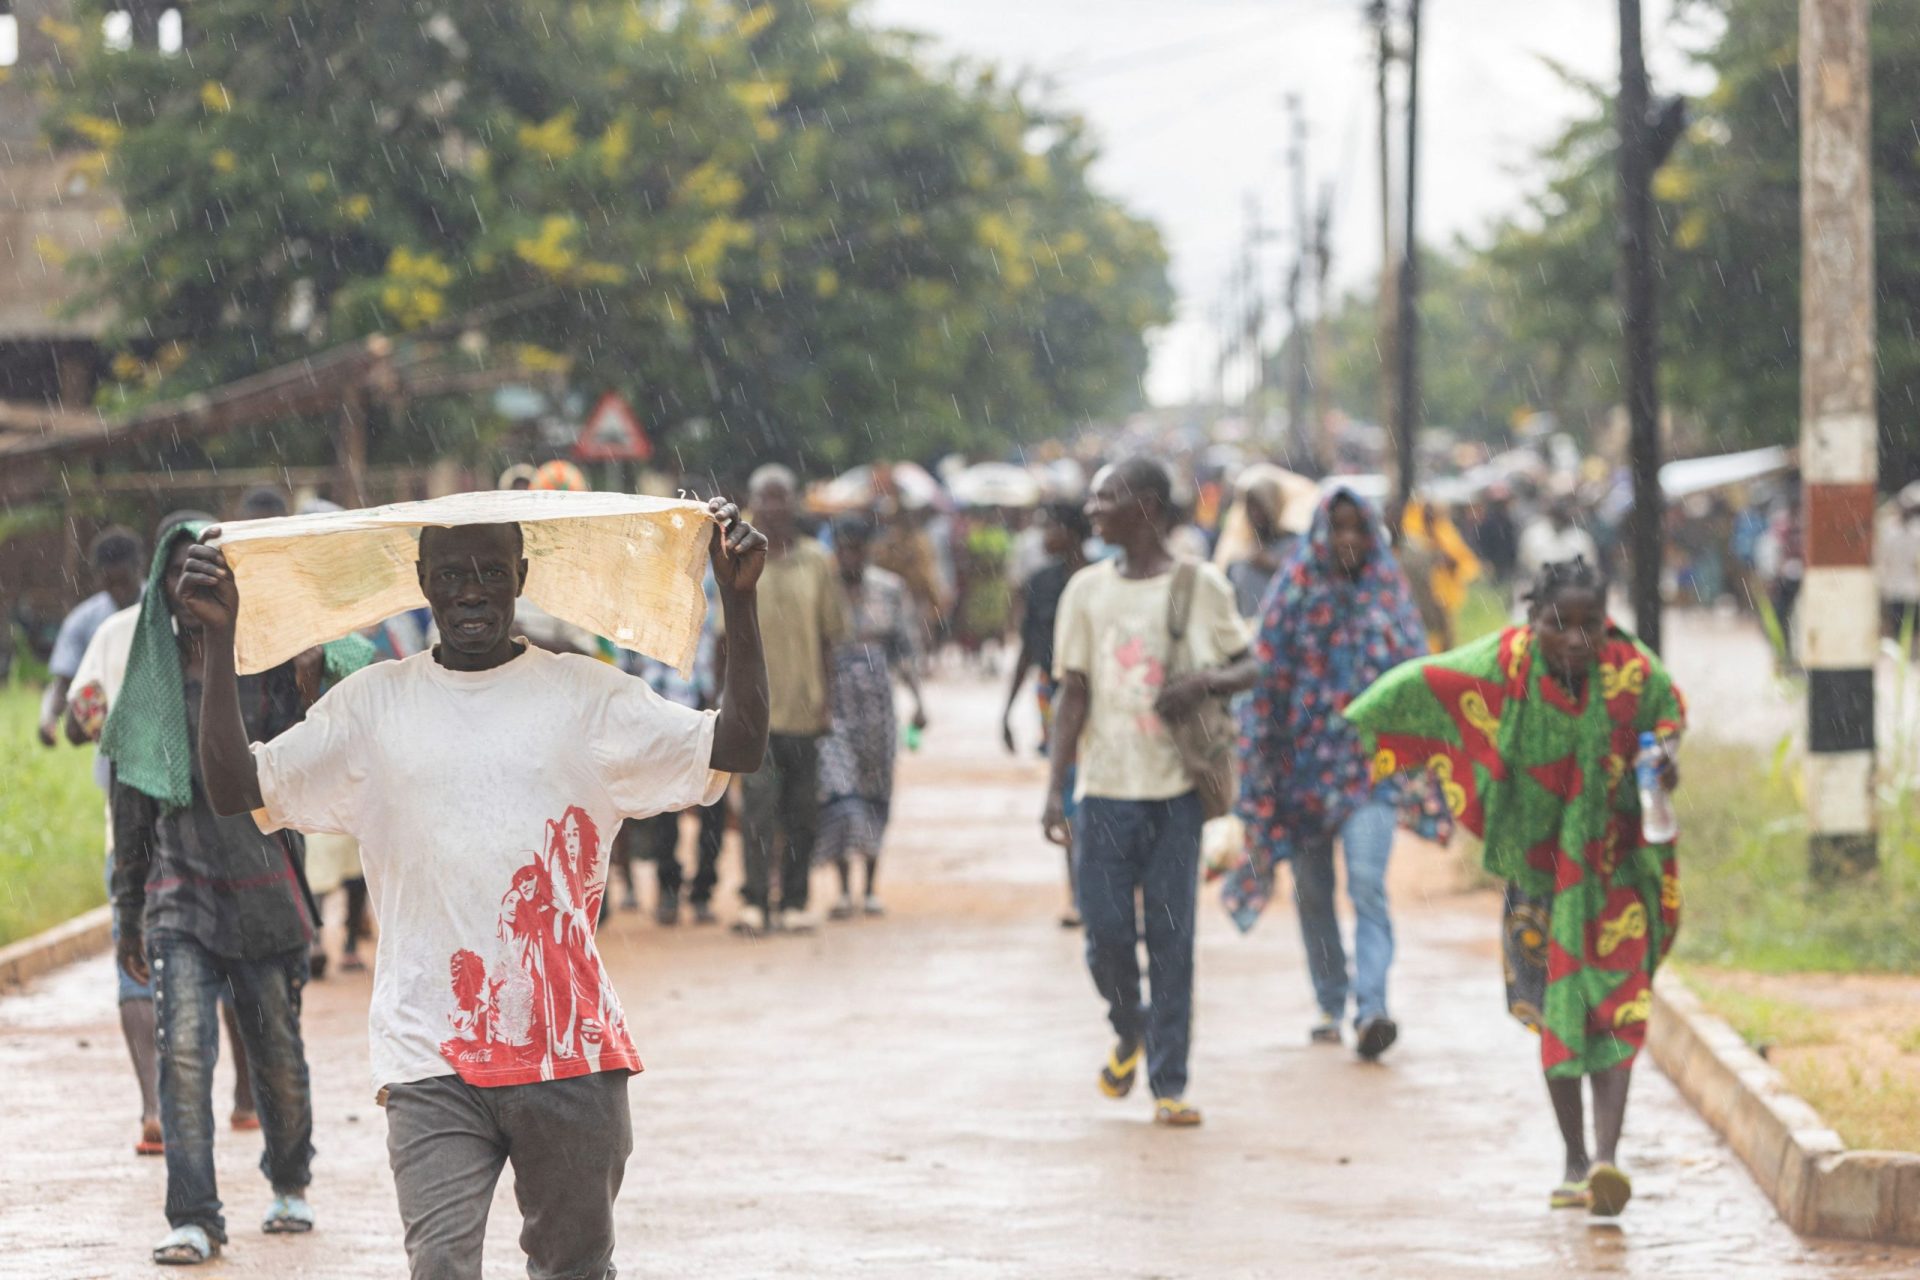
x=1206, y=737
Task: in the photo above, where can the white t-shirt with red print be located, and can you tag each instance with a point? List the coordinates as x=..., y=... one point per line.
x=485, y=804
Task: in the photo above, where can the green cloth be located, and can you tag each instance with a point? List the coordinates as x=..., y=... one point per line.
x=1546, y=780
x=146, y=732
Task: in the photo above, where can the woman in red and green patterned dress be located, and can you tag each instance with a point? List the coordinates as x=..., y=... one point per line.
x=1532, y=734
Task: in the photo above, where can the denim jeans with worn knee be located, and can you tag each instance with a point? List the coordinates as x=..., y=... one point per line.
x=1367, y=838
x=187, y=982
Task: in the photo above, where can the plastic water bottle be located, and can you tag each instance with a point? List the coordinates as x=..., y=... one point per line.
x=1657, y=822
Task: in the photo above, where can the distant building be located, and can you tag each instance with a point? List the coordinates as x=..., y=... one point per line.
x=52, y=209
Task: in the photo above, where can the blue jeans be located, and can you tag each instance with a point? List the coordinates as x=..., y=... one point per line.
x=129, y=989
x=1367, y=837
x=1148, y=848
x=187, y=982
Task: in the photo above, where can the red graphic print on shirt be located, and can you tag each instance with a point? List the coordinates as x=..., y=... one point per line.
x=541, y=1008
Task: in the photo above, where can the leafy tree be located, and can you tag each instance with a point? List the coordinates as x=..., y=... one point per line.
x=772, y=220
x=1728, y=228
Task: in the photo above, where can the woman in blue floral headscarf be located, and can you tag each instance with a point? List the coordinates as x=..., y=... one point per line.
x=1339, y=616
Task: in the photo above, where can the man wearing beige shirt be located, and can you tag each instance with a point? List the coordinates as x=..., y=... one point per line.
x=1136, y=834
x=803, y=616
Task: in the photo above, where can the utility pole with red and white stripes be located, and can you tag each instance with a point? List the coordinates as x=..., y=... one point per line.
x=1839, y=446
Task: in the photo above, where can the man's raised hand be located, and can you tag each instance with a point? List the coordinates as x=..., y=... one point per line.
x=739, y=549
x=207, y=588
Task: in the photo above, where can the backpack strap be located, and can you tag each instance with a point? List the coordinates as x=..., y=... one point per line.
x=1180, y=599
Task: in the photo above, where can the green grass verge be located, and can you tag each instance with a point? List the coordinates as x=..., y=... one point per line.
x=51, y=819
x=1749, y=903
x=1766, y=1022
x=1486, y=611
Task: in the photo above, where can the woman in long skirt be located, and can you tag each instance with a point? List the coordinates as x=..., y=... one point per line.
x=856, y=758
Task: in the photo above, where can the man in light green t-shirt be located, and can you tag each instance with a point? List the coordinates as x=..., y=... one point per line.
x=803, y=616
x=1137, y=830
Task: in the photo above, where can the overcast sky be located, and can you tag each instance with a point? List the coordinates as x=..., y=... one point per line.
x=1186, y=97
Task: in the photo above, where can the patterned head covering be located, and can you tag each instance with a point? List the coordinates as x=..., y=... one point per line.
x=1325, y=636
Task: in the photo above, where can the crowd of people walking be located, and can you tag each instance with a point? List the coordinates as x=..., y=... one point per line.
x=1291, y=701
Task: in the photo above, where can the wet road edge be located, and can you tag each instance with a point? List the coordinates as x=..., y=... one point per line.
x=84, y=935
x=1817, y=1185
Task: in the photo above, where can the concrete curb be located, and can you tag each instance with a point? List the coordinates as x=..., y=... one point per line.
x=78, y=938
x=1818, y=1186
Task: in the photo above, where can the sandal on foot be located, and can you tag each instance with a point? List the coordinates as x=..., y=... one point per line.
x=1176, y=1114
x=1610, y=1189
x=288, y=1216
x=187, y=1246
x=151, y=1143
x=1570, y=1195
x=244, y=1121
x=1116, y=1078
x=1325, y=1031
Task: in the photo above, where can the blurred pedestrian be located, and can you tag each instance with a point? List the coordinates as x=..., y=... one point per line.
x=857, y=756
x=904, y=549
x=1781, y=561
x=986, y=591
x=518, y=476
x=1452, y=565
x=1137, y=834
x=1029, y=553
x=262, y=502
x=205, y=903
x=657, y=839
x=1419, y=563
x=1533, y=734
x=1254, y=540
x=1896, y=563
x=1496, y=534
x=1340, y=617
x=1067, y=531
x=803, y=615
x=1554, y=538
x=118, y=563
x=96, y=687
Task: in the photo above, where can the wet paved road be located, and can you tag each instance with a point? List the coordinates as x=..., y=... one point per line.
x=914, y=1097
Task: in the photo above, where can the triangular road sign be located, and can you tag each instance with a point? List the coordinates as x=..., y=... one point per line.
x=612, y=434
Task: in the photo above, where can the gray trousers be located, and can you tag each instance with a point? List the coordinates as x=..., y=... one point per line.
x=568, y=1140
x=782, y=799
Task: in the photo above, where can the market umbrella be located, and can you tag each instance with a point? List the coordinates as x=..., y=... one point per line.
x=995, y=484
x=866, y=486
x=624, y=567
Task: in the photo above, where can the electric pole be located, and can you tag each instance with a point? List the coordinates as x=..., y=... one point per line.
x=1377, y=13
x=1637, y=321
x=1299, y=434
x=1253, y=315
x=1839, y=434
x=1320, y=447
x=1406, y=347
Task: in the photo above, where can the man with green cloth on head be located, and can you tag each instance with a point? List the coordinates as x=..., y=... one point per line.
x=206, y=904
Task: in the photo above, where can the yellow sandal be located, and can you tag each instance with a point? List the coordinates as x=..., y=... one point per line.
x=1610, y=1189
x=1570, y=1195
x=1116, y=1078
x=1176, y=1114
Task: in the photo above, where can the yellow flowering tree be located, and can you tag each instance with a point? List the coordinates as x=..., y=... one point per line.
x=769, y=218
